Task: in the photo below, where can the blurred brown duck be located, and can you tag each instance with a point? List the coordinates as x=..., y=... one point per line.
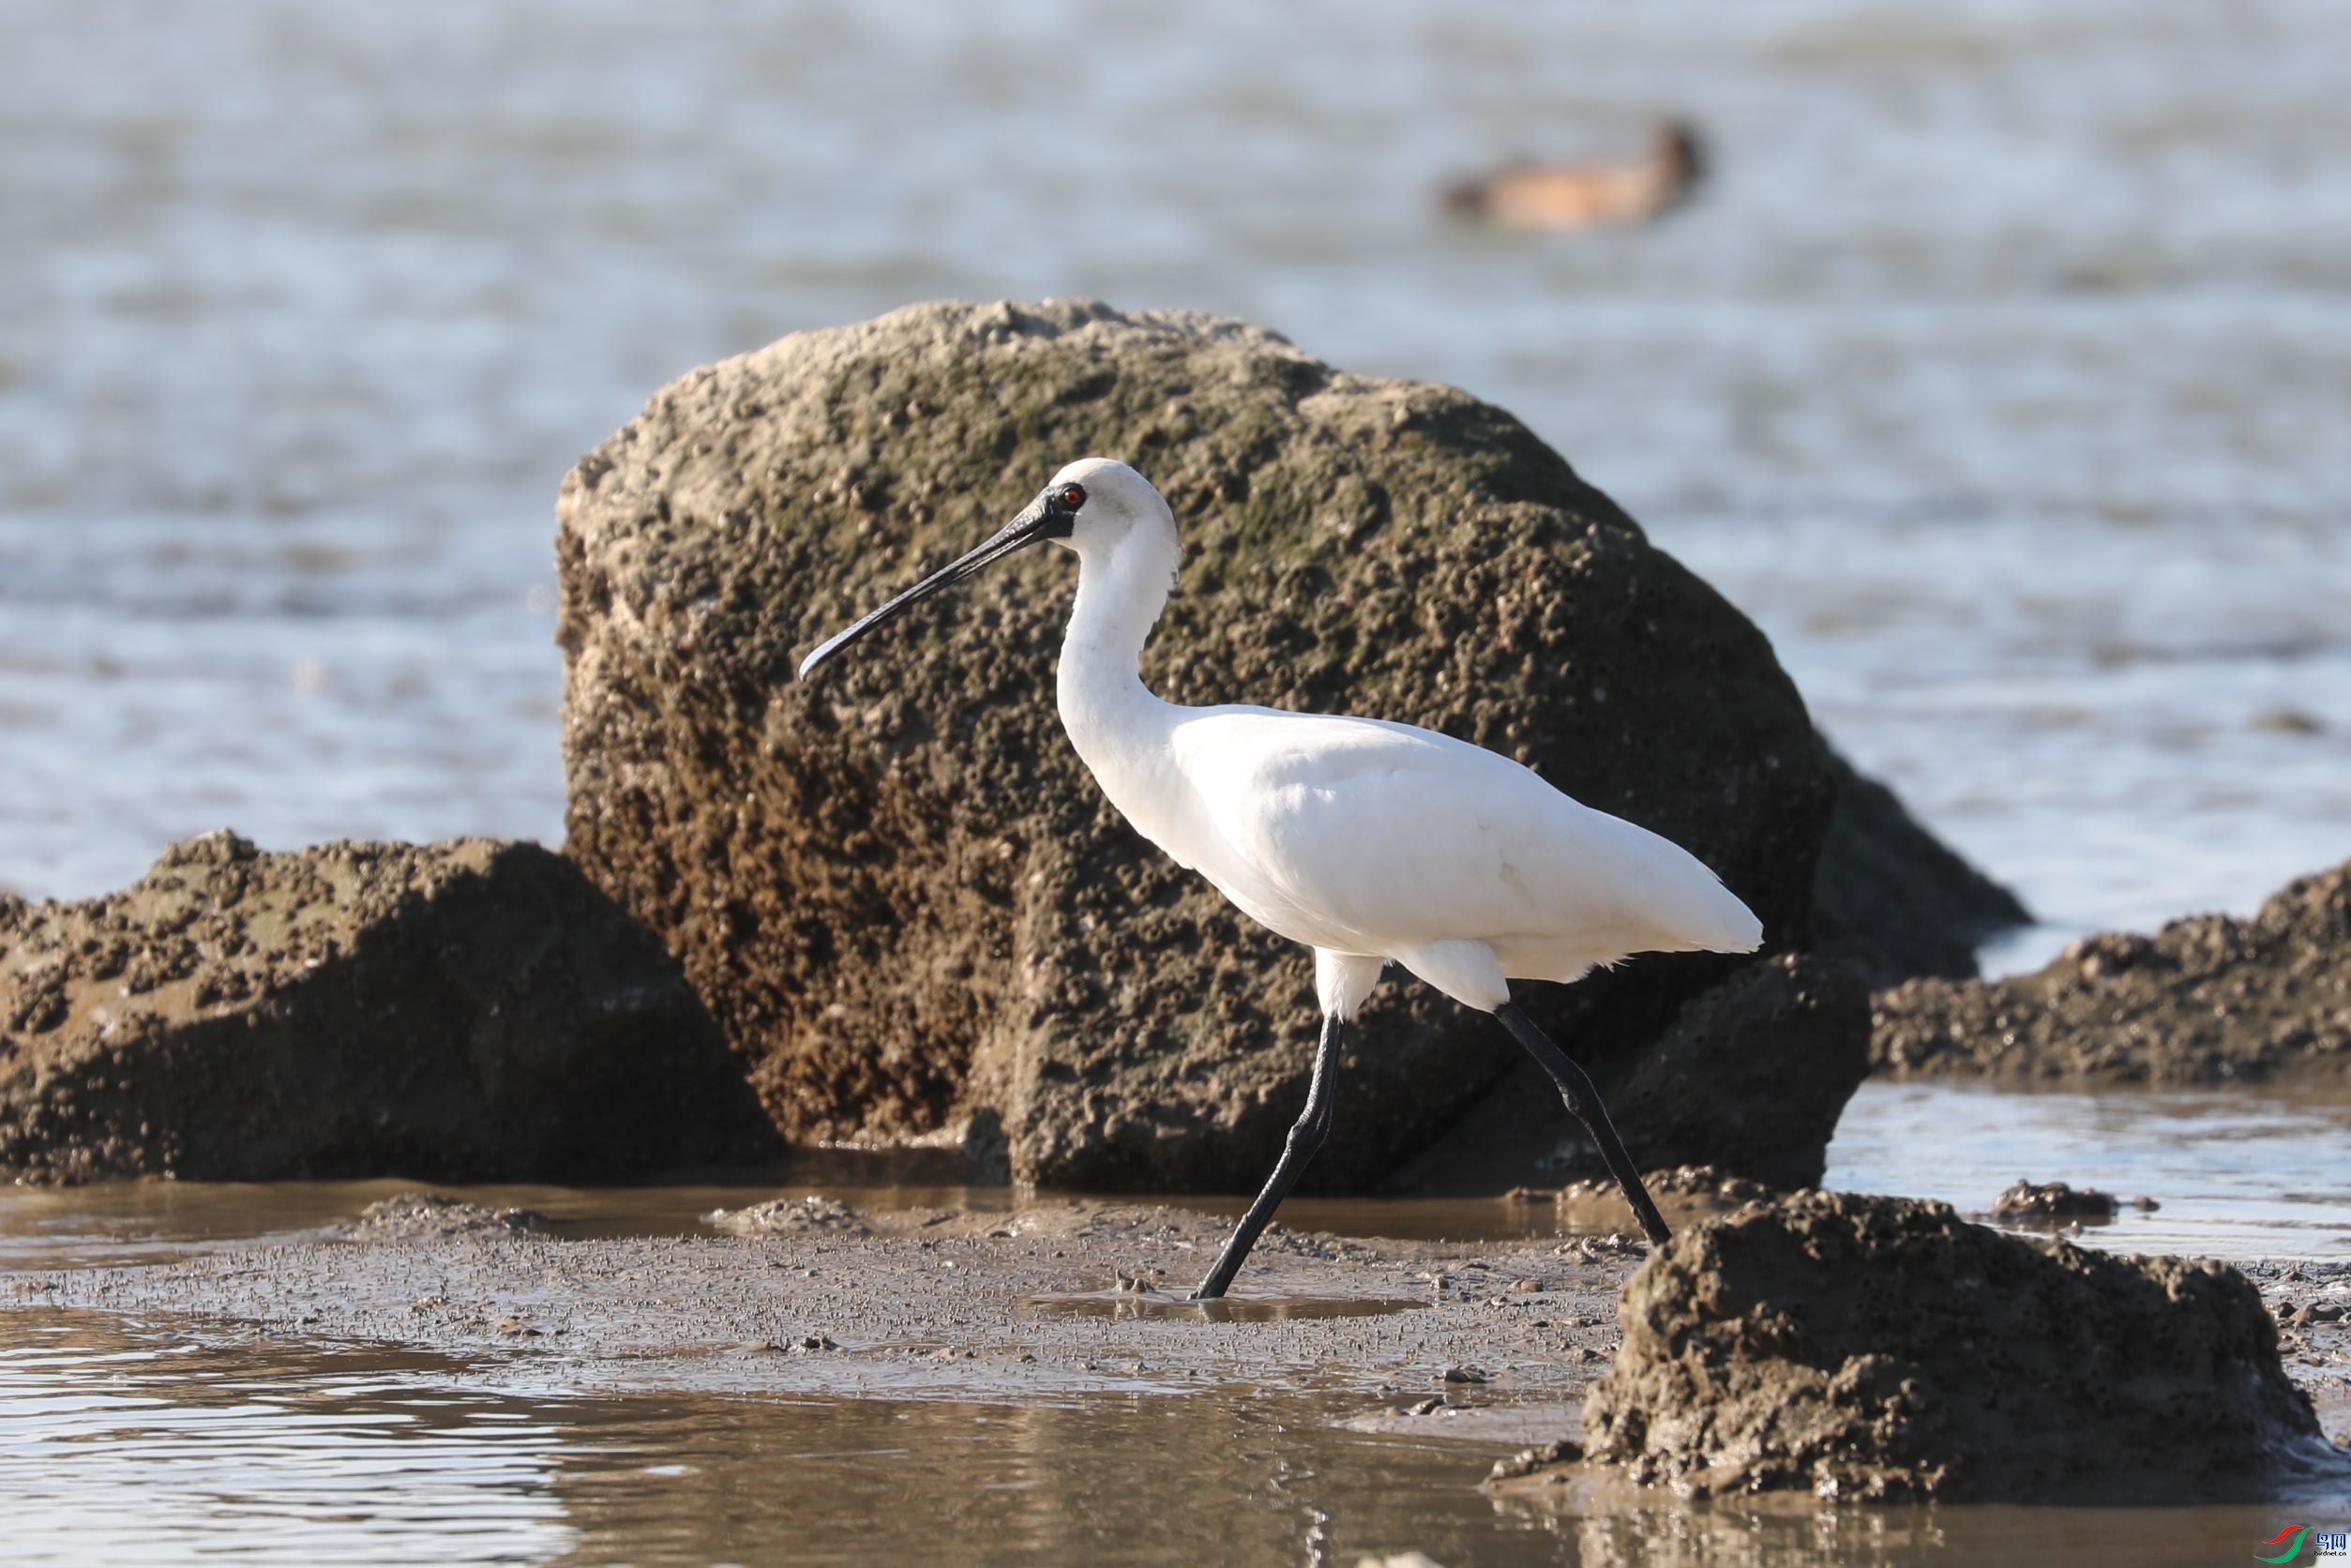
x=1586, y=195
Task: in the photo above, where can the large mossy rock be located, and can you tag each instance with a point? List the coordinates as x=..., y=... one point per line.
x=1881, y=1348
x=2208, y=1000
x=905, y=901
x=467, y=1011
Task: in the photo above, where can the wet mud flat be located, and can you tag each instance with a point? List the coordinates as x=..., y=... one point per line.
x=1494, y=1340
x=1041, y=1303
x=913, y=1384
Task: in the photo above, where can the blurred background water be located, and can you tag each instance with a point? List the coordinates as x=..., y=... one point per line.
x=2004, y=375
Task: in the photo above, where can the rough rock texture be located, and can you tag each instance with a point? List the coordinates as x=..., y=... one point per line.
x=1893, y=900
x=1748, y=1079
x=901, y=893
x=1752, y=1074
x=459, y=1011
x=2209, y=1000
x=1862, y=1347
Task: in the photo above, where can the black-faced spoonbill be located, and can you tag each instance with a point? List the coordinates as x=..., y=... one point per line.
x=1370, y=842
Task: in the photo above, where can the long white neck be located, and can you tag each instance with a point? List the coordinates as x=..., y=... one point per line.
x=1112, y=719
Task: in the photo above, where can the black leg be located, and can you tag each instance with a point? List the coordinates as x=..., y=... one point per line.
x=1306, y=1137
x=1583, y=1102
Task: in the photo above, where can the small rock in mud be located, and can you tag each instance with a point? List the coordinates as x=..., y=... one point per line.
x=420, y=1215
x=1529, y=1460
x=1881, y=1348
x=1681, y=1181
x=2054, y=1201
x=788, y=1215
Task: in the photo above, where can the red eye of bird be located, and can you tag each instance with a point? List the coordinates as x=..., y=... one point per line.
x=1072, y=496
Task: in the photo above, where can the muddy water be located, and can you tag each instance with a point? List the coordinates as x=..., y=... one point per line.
x=122, y=1443
x=131, y=1435
x=2238, y=1175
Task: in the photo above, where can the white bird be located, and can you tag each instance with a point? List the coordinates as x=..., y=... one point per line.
x=1370, y=842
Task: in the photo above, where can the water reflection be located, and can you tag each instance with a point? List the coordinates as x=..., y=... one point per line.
x=119, y=1445
x=2239, y=1174
x=124, y=1444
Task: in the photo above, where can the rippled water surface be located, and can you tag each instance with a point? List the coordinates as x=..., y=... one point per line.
x=2004, y=374
x=2238, y=1175
x=122, y=1443
x=129, y=1440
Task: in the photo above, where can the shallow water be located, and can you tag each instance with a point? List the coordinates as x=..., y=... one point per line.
x=2002, y=375
x=120, y=1442
x=2238, y=1175
x=150, y=1441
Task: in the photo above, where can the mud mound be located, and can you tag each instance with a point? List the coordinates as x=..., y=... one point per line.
x=2209, y=1000
x=906, y=902
x=1862, y=1347
x=789, y=1217
x=419, y=1214
x=462, y=1011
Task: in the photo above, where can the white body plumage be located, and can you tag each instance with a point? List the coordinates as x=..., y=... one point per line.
x=1366, y=840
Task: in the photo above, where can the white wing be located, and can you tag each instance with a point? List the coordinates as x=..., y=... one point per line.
x=1367, y=837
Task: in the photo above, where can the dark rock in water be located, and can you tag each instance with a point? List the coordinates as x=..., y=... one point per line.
x=1869, y=1347
x=1752, y=1074
x=906, y=902
x=1893, y=900
x=2054, y=1201
x=434, y=1214
x=2209, y=1000
x=461, y=1011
